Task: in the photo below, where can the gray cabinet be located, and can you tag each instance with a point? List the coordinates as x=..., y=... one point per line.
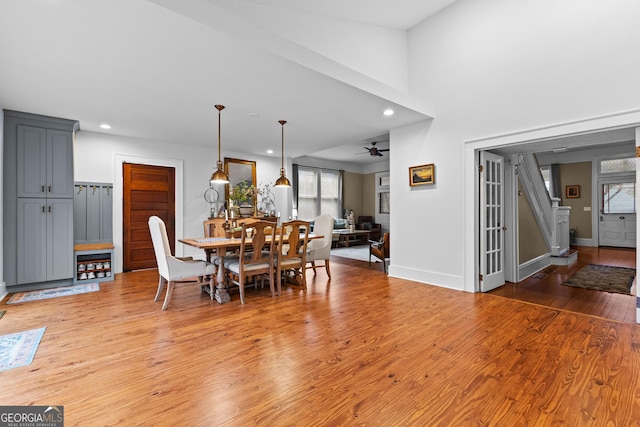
x=38, y=188
x=45, y=245
x=93, y=212
x=45, y=163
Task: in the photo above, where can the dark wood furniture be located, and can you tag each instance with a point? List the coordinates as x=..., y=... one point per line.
x=366, y=222
x=380, y=249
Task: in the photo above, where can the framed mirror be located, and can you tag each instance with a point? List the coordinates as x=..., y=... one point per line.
x=239, y=171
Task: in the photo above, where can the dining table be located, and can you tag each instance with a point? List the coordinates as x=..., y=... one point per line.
x=218, y=247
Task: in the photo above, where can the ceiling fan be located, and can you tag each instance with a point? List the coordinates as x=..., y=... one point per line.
x=374, y=151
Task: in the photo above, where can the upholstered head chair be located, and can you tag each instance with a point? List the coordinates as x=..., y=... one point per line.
x=170, y=268
x=320, y=249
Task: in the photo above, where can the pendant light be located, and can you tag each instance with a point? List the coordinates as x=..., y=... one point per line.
x=219, y=177
x=282, y=181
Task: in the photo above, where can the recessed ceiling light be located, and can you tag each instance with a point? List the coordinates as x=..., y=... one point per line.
x=269, y=151
x=105, y=126
x=388, y=112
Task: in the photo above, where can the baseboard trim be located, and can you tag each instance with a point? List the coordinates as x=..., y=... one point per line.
x=3, y=290
x=531, y=267
x=427, y=277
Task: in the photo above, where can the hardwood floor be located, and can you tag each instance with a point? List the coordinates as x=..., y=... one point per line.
x=546, y=287
x=361, y=349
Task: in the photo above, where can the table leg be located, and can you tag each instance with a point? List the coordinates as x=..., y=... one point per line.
x=221, y=295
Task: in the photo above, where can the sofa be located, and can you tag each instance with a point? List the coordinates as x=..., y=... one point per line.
x=366, y=222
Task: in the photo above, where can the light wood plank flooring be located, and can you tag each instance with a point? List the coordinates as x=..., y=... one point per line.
x=546, y=288
x=361, y=349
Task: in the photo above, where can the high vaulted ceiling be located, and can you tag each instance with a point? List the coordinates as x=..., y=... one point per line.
x=154, y=69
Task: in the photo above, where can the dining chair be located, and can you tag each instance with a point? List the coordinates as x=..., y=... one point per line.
x=292, y=252
x=320, y=249
x=255, y=257
x=172, y=269
x=214, y=227
x=380, y=249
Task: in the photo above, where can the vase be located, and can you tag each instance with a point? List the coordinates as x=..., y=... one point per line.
x=246, y=210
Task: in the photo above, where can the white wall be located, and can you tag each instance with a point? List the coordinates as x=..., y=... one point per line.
x=378, y=52
x=3, y=285
x=95, y=160
x=490, y=68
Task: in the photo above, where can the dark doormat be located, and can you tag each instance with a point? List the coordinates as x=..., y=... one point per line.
x=603, y=278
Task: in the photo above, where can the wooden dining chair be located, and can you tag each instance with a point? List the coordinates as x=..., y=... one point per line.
x=255, y=257
x=292, y=252
x=214, y=227
x=173, y=270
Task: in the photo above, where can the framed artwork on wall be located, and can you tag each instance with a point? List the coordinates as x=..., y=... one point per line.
x=572, y=191
x=422, y=175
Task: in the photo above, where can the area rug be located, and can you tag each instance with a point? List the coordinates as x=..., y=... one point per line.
x=18, y=349
x=62, y=291
x=361, y=253
x=603, y=278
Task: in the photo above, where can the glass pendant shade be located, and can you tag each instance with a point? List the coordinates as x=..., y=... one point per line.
x=282, y=181
x=219, y=177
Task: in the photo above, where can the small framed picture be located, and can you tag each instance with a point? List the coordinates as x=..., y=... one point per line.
x=572, y=191
x=422, y=175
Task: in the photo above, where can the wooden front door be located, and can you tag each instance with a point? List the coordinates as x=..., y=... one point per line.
x=148, y=190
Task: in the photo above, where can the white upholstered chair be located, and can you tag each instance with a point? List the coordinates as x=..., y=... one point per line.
x=173, y=269
x=320, y=249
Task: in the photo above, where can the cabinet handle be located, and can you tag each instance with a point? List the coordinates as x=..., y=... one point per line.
x=49, y=189
x=42, y=189
x=49, y=208
x=43, y=209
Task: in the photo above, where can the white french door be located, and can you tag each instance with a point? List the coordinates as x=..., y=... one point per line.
x=491, y=221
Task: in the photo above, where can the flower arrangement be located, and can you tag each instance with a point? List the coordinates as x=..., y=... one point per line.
x=242, y=192
x=350, y=218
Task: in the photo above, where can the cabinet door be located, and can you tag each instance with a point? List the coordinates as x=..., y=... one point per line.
x=45, y=163
x=59, y=164
x=32, y=240
x=59, y=239
x=32, y=161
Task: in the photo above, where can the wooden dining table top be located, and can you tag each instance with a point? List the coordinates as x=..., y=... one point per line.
x=209, y=243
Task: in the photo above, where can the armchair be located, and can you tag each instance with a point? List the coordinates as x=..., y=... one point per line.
x=380, y=250
x=365, y=222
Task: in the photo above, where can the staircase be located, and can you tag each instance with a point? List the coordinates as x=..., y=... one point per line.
x=552, y=219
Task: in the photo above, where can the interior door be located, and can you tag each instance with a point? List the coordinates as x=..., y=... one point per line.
x=491, y=221
x=147, y=190
x=617, y=225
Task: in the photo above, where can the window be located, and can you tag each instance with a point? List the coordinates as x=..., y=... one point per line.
x=384, y=202
x=618, y=165
x=546, y=176
x=619, y=198
x=319, y=192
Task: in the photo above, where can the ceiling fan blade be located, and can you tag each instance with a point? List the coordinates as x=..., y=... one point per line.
x=383, y=149
x=379, y=153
